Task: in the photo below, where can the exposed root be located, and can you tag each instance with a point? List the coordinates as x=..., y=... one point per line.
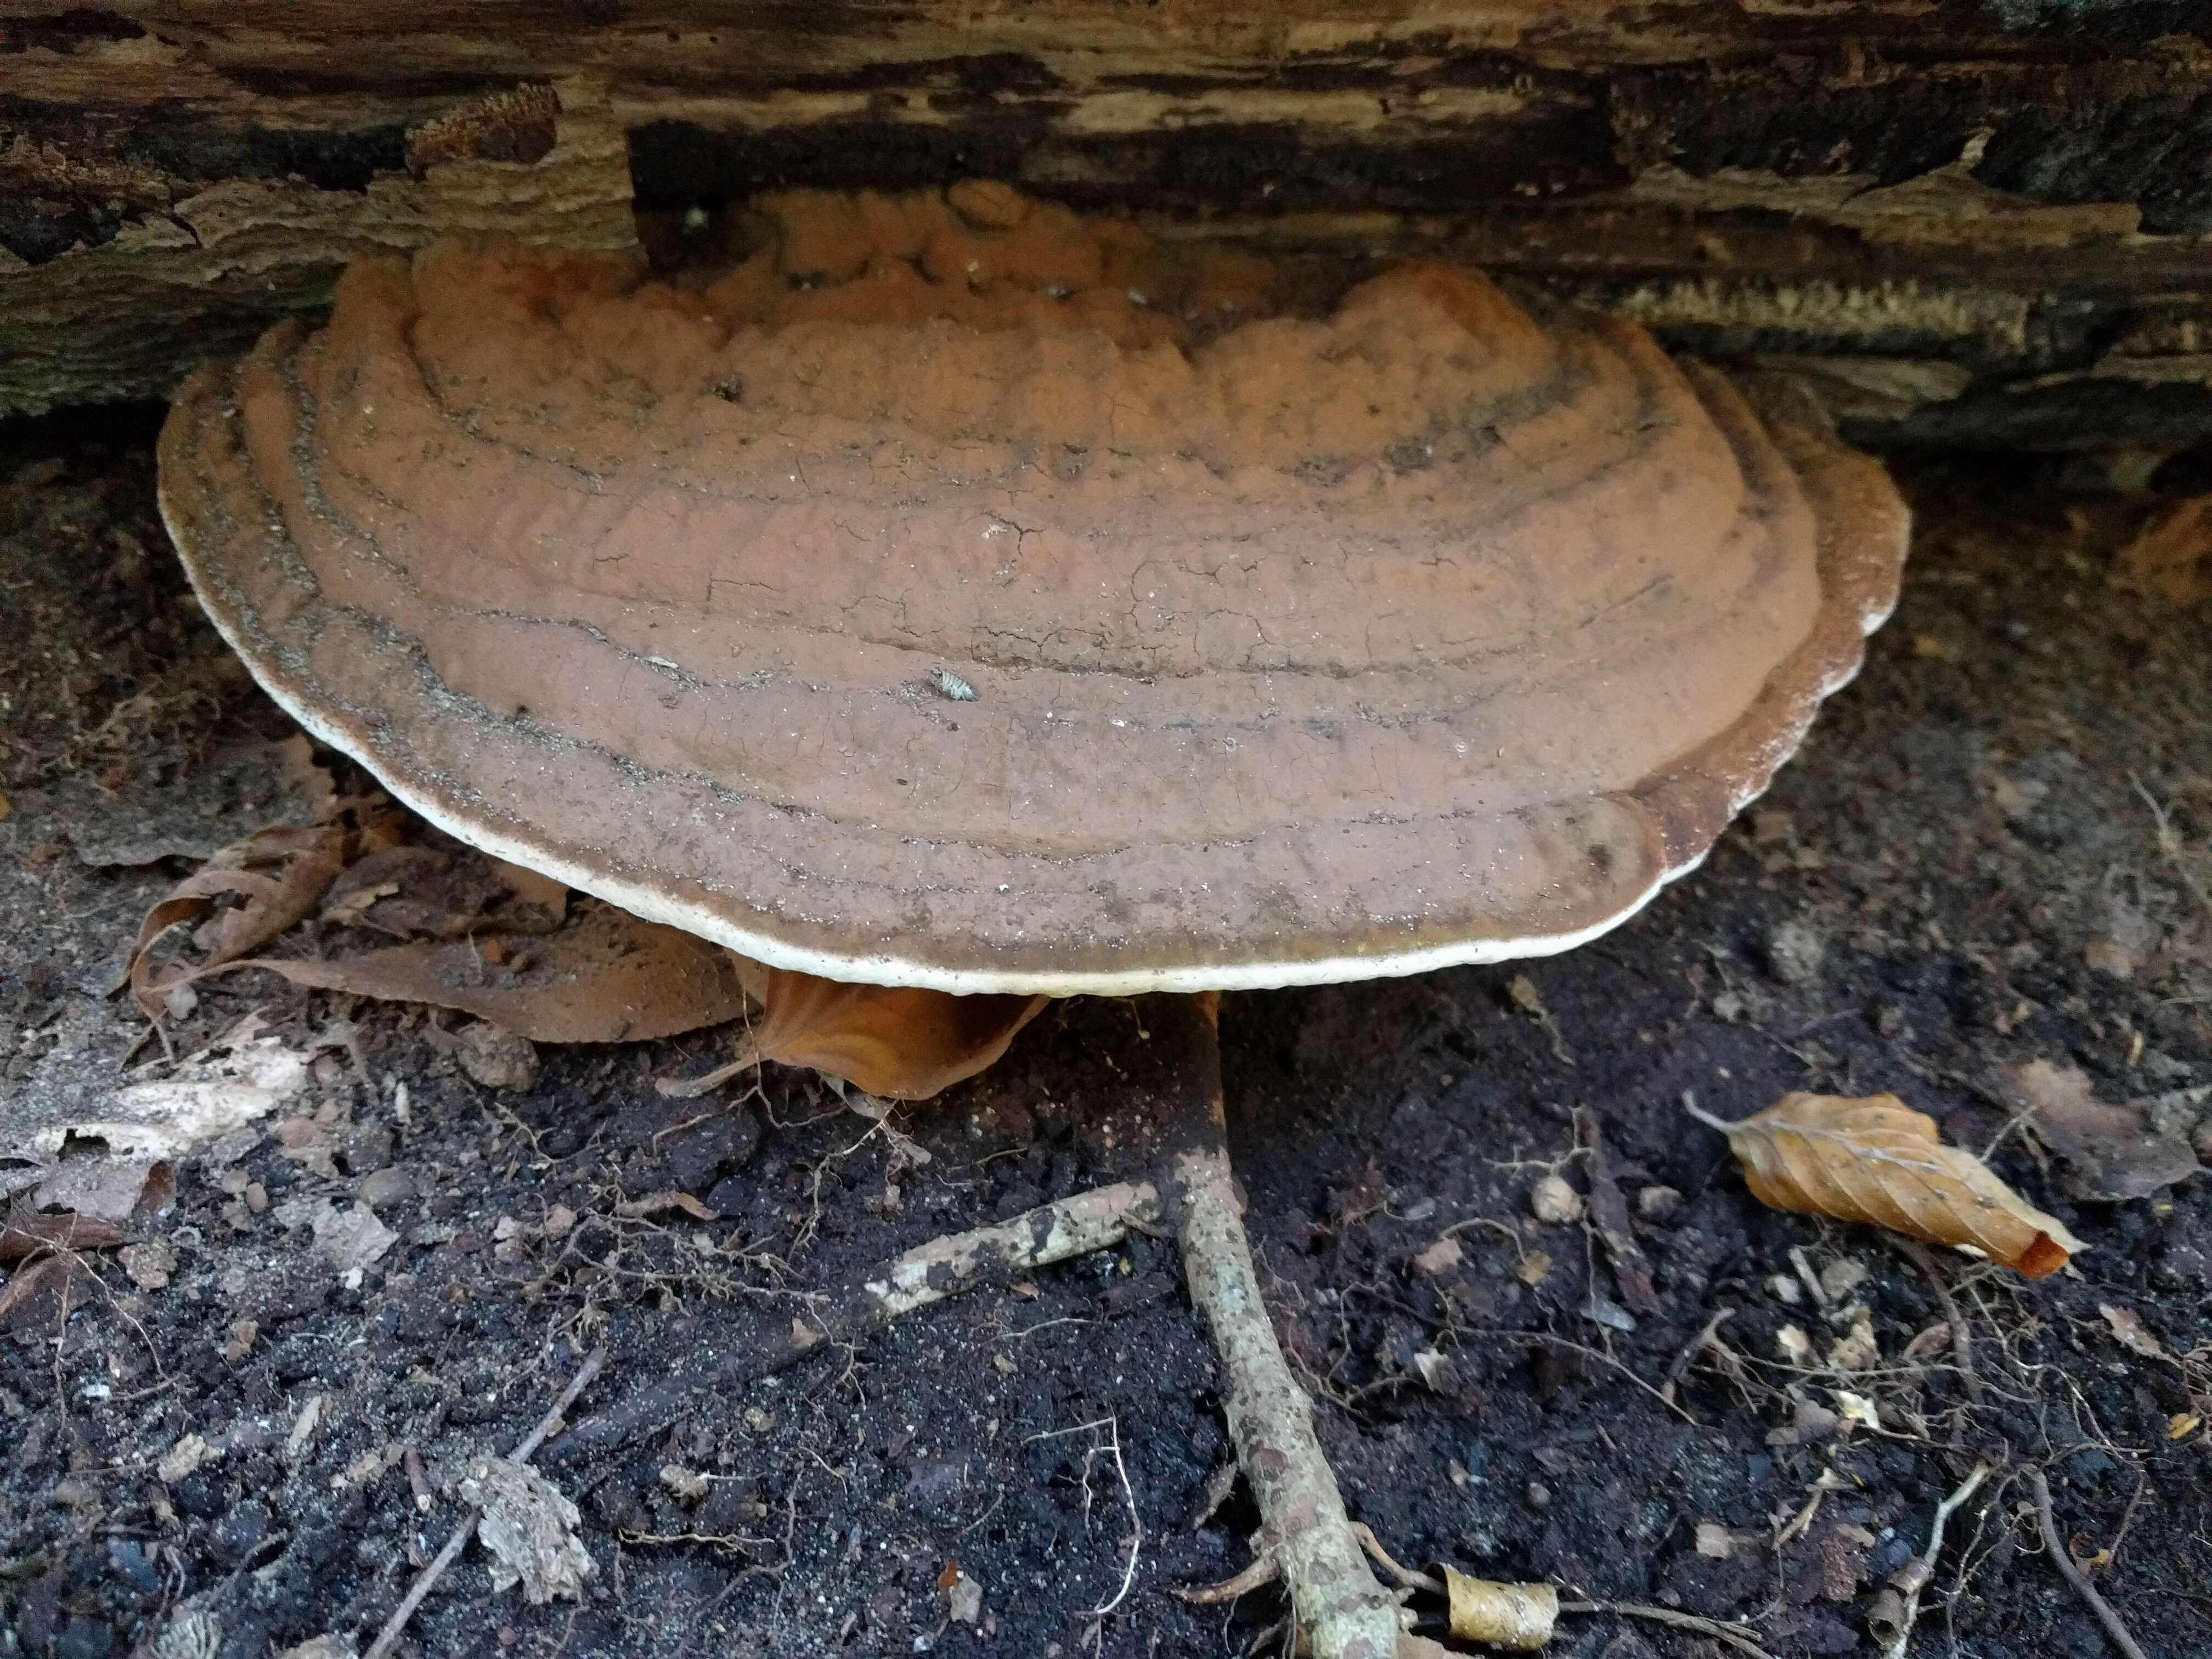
x=1258, y=1575
x=1733, y=1636
x=1339, y=1610
x=2116, y=1630
x=1111, y=1447
x=1406, y=1577
x=1910, y=1580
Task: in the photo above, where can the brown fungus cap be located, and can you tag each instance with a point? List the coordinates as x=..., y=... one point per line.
x=964, y=594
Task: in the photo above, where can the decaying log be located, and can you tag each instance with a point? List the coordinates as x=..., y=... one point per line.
x=1968, y=222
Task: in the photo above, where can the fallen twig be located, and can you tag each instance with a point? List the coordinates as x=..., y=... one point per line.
x=2055, y=1547
x=1608, y=1209
x=1059, y=1231
x=1909, y=1581
x=1706, y=1333
x=395, y=1626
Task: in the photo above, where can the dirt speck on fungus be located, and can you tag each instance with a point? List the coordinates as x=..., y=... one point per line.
x=1966, y=821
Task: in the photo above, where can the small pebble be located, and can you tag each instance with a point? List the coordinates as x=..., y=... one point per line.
x=1658, y=1203
x=496, y=1058
x=1794, y=951
x=1555, y=1202
x=1538, y=1496
x=387, y=1185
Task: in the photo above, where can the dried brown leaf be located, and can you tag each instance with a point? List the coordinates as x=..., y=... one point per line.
x=897, y=1041
x=609, y=977
x=2112, y=1152
x=653, y=1203
x=2171, y=558
x=2130, y=1332
x=279, y=875
x=1878, y=1160
x=40, y=1294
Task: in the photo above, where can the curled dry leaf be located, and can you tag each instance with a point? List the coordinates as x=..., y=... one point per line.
x=1518, y=1616
x=356, y=865
x=278, y=876
x=529, y=1529
x=2171, y=558
x=1878, y=1160
x=900, y=1042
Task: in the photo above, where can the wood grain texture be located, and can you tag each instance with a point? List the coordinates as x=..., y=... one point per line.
x=1988, y=217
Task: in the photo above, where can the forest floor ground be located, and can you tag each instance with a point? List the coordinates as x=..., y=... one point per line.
x=231, y=1437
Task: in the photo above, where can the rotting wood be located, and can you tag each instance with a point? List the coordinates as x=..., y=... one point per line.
x=1979, y=226
x=202, y=278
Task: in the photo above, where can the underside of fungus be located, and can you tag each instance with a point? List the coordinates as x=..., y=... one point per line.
x=979, y=598
x=954, y=595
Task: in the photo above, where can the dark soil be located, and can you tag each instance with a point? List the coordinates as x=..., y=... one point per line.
x=1909, y=908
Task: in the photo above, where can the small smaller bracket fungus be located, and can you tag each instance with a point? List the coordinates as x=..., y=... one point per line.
x=1275, y=636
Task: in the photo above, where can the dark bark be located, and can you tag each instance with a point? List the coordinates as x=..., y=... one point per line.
x=1978, y=223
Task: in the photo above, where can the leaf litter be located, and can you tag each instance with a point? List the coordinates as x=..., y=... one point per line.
x=360, y=904
x=1877, y=1160
x=2112, y=1154
x=480, y=936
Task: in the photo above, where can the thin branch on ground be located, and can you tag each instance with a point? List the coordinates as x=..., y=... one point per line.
x=395, y=1626
x=943, y=1267
x=1911, y=1579
x=2115, y=1630
x=2111, y=1552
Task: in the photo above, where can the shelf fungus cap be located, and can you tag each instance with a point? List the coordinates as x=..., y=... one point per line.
x=1012, y=603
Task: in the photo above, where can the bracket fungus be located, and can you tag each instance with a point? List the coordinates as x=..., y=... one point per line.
x=959, y=595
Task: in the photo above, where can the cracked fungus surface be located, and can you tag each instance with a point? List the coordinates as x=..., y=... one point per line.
x=1303, y=643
